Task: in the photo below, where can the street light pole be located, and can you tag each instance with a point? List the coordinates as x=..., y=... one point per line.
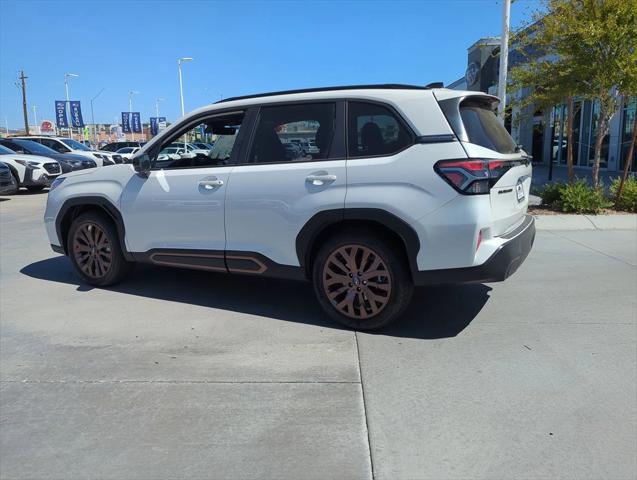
x=130, y=111
x=504, y=59
x=35, y=117
x=181, y=83
x=93, y=117
x=68, y=99
x=157, y=106
x=181, y=92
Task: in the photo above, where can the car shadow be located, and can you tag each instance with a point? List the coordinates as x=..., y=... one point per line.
x=435, y=312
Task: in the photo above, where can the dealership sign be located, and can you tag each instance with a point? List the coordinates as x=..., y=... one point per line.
x=76, y=114
x=126, y=122
x=60, y=114
x=47, y=127
x=137, y=123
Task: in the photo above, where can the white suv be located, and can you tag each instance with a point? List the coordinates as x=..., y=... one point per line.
x=408, y=186
x=68, y=145
x=30, y=171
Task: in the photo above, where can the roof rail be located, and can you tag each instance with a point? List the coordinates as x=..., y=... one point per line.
x=381, y=86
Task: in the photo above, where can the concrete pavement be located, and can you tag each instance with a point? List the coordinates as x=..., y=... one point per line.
x=182, y=374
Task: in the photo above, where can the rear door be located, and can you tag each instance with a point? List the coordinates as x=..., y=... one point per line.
x=277, y=190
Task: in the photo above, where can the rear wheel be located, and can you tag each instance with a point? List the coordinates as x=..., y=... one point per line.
x=361, y=282
x=94, y=249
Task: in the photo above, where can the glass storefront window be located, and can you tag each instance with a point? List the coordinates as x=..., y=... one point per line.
x=593, y=139
x=556, y=132
x=628, y=123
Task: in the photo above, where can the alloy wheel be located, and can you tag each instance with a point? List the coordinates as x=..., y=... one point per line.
x=92, y=250
x=357, y=281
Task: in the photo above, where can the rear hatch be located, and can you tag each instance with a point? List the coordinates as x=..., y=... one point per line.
x=507, y=167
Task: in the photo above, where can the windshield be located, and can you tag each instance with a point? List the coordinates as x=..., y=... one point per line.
x=34, y=147
x=75, y=145
x=5, y=151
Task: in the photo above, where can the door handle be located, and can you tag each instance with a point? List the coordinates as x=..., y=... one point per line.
x=210, y=184
x=320, y=179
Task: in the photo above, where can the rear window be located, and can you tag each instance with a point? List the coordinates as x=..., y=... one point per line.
x=483, y=128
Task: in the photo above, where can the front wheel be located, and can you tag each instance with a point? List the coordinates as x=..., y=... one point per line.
x=361, y=282
x=94, y=249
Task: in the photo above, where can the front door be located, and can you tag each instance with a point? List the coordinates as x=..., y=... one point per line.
x=295, y=168
x=180, y=205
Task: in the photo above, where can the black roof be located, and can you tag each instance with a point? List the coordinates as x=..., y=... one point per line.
x=382, y=86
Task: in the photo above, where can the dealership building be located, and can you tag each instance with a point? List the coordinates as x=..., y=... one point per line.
x=543, y=132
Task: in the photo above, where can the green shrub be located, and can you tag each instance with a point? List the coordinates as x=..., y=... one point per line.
x=550, y=193
x=579, y=197
x=628, y=201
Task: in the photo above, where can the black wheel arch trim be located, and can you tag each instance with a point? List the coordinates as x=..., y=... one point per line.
x=93, y=201
x=305, y=240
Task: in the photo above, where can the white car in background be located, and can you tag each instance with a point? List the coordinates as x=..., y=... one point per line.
x=30, y=171
x=128, y=152
x=68, y=145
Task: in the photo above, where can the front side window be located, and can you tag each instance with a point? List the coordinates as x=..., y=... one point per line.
x=220, y=129
x=293, y=133
x=374, y=130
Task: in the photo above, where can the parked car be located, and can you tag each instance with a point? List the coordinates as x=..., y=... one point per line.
x=202, y=146
x=114, y=146
x=68, y=161
x=68, y=145
x=8, y=183
x=190, y=148
x=410, y=186
x=30, y=171
x=128, y=152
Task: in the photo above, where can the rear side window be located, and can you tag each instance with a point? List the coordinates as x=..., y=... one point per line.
x=57, y=146
x=374, y=130
x=294, y=133
x=483, y=128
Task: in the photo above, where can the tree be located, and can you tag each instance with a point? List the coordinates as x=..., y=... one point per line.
x=628, y=89
x=595, y=41
x=550, y=83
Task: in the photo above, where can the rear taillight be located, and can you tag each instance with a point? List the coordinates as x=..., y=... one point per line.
x=473, y=176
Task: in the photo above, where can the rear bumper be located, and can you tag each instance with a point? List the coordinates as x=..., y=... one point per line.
x=501, y=265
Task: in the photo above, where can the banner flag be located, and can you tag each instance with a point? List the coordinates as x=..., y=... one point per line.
x=154, y=130
x=126, y=122
x=137, y=123
x=161, y=123
x=76, y=113
x=60, y=114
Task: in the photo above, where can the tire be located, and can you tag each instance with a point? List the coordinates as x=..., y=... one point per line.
x=35, y=188
x=16, y=185
x=84, y=238
x=351, y=303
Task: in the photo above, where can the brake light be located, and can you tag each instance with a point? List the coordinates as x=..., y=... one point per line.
x=473, y=176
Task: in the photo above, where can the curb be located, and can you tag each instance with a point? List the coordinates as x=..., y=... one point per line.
x=586, y=222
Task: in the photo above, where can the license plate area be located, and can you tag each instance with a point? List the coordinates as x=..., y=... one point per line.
x=519, y=191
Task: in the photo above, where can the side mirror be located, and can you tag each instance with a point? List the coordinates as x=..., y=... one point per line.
x=141, y=163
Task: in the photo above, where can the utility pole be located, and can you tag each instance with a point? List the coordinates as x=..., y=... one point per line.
x=24, y=102
x=504, y=59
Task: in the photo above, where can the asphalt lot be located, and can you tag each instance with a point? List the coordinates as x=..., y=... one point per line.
x=184, y=374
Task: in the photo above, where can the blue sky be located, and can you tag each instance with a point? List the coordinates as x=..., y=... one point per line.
x=238, y=48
